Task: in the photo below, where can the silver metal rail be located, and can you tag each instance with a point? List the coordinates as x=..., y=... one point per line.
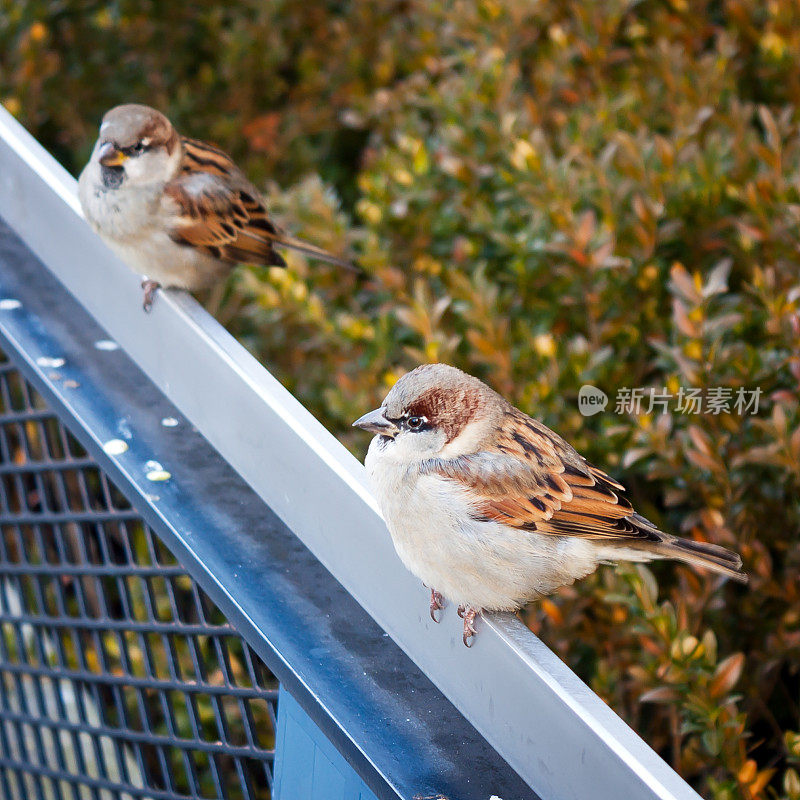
x=550, y=727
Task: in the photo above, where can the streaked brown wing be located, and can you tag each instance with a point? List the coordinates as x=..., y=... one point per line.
x=220, y=213
x=533, y=480
x=204, y=157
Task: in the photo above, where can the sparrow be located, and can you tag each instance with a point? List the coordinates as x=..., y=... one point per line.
x=175, y=209
x=491, y=509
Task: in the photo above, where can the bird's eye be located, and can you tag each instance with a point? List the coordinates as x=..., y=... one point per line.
x=137, y=149
x=415, y=423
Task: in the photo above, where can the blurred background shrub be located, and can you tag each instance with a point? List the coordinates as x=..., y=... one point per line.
x=546, y=195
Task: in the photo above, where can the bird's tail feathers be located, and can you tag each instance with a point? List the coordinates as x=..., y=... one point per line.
x=308, y=249
x=696, y=554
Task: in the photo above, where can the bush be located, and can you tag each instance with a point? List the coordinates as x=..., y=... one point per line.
x=546, y=195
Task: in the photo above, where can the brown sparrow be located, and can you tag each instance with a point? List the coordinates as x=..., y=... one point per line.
x=176, y=209
x=492, y=509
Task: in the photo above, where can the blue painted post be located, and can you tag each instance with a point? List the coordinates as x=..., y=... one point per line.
x=307, y=765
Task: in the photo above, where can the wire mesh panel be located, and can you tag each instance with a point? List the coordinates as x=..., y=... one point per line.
x=118, y=676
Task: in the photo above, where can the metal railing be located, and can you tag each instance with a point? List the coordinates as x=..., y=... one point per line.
x=117, y=672
x=512, y=699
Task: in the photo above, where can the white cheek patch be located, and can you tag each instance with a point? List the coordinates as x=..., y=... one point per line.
x=147, y=168
x=134, y=169
x=410, y=448
x=468, y=441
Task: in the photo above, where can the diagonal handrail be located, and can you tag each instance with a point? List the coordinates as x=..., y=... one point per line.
x=560, y=737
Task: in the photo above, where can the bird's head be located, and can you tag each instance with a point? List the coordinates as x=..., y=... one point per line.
x=137, y=145
x=432, y=412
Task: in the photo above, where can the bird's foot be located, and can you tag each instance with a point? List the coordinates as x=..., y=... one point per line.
x=437, y=603
x=469, y=624
x=149, y=293
x=461, y=610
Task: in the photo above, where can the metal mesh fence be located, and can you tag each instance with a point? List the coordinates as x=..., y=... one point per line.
x=119, y=678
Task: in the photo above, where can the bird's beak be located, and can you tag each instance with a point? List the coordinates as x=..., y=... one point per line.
x=375, y=422
x=109, y=155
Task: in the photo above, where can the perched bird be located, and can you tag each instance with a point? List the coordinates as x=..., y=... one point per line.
x=176, y=210
x=492, y=509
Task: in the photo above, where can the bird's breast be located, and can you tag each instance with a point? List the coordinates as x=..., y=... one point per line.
x=471, y=561
x=118, y=213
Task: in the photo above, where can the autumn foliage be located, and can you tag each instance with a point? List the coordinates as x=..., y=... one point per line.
x=547, y=195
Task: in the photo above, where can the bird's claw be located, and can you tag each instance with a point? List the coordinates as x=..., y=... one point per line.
x=149, y=293
x=437, y=603
x=469, y=624
x=461, y=610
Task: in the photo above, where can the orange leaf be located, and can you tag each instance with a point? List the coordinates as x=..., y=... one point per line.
x=261, y=132
x=726, y=675
x=748, y=772
x=663, y=694
x=683, y=282
x=700, y=439
x=585, y=231
x=552, y=611
x=758, y=785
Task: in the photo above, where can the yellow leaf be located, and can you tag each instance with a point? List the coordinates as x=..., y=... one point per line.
x=791, y=784
x=38, y=31
x=544, y=344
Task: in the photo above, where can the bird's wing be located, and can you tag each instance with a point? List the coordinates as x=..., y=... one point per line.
x=531, y=479
x=220, y=213
x=215, y=213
